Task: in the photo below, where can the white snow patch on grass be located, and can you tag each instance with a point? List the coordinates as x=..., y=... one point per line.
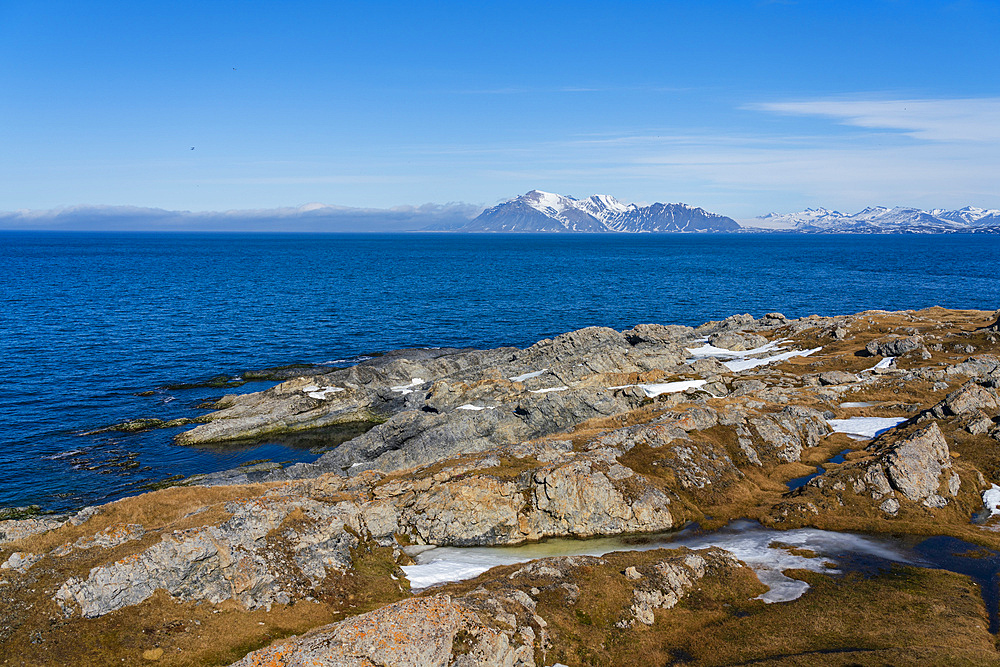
x=858, y=404
x=884, y=363
x=654, y=390
x=864, y=428
x=527, y=376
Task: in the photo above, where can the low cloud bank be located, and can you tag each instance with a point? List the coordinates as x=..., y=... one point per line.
x=307, y=218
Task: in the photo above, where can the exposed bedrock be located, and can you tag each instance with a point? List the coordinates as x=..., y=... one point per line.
x=498, y=626
x=912, y=466
x=590, y=433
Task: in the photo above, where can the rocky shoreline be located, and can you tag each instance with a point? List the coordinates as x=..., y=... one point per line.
x=592, y=433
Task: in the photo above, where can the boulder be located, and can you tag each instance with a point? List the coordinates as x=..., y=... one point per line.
x=894, y=347
x=784, y=434
x=971, y=396
x=915, y=466
x=837, y=377
x=737, y=342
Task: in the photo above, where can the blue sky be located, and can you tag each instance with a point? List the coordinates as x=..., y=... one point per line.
x=739, y=107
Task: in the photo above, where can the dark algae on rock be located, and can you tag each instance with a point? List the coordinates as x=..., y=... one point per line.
x=877, y=423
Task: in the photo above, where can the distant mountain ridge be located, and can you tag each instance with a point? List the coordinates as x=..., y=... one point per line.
x=538, y=211
x=881, y=220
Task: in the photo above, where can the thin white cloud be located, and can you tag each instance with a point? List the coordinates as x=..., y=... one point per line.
x=970, y=119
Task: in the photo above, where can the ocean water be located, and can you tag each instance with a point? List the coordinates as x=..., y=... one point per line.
x=91, y=320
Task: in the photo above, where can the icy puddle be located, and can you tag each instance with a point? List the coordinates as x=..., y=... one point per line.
x=799, y=482
x=769, y=552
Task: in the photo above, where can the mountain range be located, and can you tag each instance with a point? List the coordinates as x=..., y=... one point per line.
x=538, y=211
x=881, y=220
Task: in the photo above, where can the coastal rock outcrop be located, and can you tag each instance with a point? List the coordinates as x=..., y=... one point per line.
x=233, y=560
x=499, y=624
x=591, y=433
x=914, y=465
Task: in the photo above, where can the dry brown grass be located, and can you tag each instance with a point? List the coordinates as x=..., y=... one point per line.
x=841, y=620
x=35, y=632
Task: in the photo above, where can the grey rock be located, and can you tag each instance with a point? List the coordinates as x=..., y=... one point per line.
x=894, y=347
x=737, y=342
x=13, y=530
x=916, y=466
x=916, y=462
x=658, y=334
x=784, y=434
x=971, y=396
x=20, y=561
x=979, y=367
x=748, y=387
x=216, y=563
x=772, y=320
x=112, y=536
x=664, y=585
x=837, y=377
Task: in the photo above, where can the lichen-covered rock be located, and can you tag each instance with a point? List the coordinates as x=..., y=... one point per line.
x=13, y=530
x=915, y=466
x=231, y=560
x=970, y=396
x=577, y=499
x=419, y=632
x=894, y=347
x=20, y=561
x=664, y=584
x=582, y=495
x=784, y=434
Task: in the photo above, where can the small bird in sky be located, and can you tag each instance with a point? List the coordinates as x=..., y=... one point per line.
x=192, y=148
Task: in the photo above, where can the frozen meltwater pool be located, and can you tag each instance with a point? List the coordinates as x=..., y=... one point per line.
x=769, y=552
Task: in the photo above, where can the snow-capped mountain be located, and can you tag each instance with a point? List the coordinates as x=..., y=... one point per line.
x=879, y=220
x=538, y=211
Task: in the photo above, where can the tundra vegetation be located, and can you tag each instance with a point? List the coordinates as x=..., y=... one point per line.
x=592, y=433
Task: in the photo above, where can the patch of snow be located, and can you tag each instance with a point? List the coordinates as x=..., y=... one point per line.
x=884, y=363
x=545, y=391
x=470, y=406
x=407, y=388
x=864, y=428
x=320, y=392
x=858, y=404
x=707, y=350
x=746, y=364
x=991, y=499
x=527, y=376
x=654, y=390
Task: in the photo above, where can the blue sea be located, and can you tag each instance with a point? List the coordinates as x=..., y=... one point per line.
x=89, y=321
